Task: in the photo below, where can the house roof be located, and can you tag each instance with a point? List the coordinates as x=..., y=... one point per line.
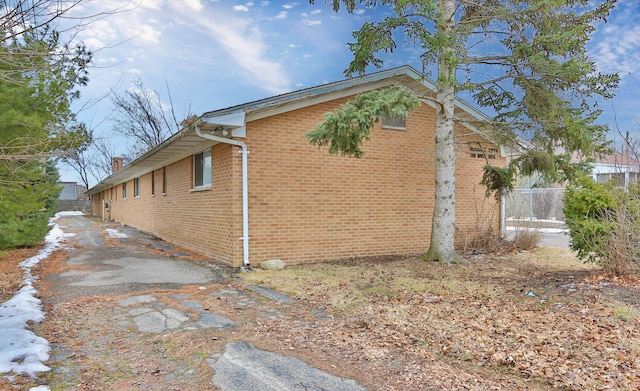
x=186, y=142
x=616, y=159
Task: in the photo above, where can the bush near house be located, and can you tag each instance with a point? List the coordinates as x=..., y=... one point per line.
x=603, y=224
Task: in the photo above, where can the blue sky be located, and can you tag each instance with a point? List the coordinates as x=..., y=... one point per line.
x=214, y=54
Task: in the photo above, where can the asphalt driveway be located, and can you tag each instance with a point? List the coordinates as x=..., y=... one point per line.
x=130, y=311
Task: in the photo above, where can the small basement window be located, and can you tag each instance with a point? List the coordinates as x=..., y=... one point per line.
x=202, y=169
x=394, y=122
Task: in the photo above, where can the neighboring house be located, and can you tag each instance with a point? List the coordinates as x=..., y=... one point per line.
x=243, y=183
x=72, y=191
x=73, y=198
x=535, y=203
x=617, y=167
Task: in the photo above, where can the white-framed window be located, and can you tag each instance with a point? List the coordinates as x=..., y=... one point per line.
x=619, y=178
x=394, y=122
x=124, y=191
x=202, y=169
x=136, y=187
x=164, y=181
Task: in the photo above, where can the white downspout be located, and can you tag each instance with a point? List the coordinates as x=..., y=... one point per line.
x=503, y=214
x=245, y=187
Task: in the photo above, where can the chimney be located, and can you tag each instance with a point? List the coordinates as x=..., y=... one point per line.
x=117, y=163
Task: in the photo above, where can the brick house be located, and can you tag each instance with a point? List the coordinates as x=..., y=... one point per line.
x=248, y=171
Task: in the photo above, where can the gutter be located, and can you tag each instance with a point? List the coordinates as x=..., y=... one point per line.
x=245, y=187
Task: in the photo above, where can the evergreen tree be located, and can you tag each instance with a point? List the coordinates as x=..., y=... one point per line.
x=35, y=126
x=525, y=60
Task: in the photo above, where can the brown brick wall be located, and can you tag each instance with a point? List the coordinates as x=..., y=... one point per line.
x=307, y=206
x=197, y=220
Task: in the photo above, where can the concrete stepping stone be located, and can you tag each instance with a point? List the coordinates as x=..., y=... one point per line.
x=192, y=305
x=139, y=311
x=151, y=322
x=270, y=294
x=244, y=367
x=176, y=315
x=321, y=315
x=209, y=321
x=272, y=314
x=140, y=299
x=225, y=292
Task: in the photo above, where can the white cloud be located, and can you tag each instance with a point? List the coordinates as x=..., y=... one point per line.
x=132, y=38
x=315, y=12
x=245, y=45
x=194, y=5
x=146, y=33
x=615, y=46
x=289, y=6
x=358, y=11
x=282, y=15
x=244, y=8
x=619, y=51
x=310, y=22
x=150, y=4
x=99, y=34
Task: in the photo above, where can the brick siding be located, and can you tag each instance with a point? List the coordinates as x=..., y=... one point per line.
x=308, y=206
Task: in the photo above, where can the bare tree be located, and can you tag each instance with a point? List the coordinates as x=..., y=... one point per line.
x=18, y=17
x=80, y=161
x=102, y=158
x=143, y=117
x=94, y=162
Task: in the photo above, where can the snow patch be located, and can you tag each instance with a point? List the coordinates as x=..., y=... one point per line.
x=115, y=234
x=542, y=230
x=69, y=213
x=21, y=351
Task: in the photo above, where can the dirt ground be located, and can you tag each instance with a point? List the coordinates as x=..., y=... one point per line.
x=535, y=320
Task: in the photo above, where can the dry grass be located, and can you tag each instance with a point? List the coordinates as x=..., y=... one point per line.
x=11, y=276
x=531, y=320
x=535, y=320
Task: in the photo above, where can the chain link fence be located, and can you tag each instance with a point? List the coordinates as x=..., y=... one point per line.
x=539, y=207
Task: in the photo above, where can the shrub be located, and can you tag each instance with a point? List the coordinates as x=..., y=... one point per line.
x=603, y=224
x=526, y=240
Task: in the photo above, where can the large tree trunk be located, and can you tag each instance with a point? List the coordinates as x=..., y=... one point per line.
x=443, y=224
